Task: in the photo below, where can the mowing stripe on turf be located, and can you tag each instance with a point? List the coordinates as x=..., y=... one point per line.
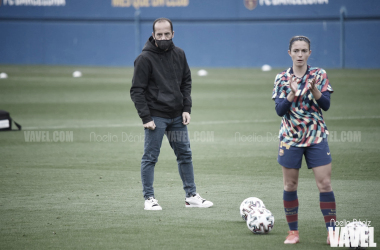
x=193, y=123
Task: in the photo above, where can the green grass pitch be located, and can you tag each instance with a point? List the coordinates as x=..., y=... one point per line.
x=83, y=190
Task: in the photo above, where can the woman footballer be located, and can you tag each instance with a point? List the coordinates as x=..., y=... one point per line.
x=301, y=93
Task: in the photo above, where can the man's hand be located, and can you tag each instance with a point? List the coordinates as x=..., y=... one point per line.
x=150, y=125
x=186, y=118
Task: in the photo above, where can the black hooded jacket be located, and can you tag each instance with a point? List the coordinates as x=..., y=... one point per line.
x=161, y=84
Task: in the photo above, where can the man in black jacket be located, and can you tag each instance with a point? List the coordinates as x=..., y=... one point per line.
x=161, y=91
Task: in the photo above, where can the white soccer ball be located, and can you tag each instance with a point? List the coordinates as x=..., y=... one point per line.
x=266, y=67
x=202, y=72
x=355, y=228
x=260, y=221
x=77, y=74
x=3, y=75
x=248, y=204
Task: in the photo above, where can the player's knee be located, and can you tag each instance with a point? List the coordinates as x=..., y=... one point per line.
x=290, y=185
x=324, y=185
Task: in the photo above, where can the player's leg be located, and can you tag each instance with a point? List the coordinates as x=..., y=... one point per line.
x=178, y=137
x=326, y=195
x=318, y=157
x=152, y=145
x=290, y=158
x=290, y=198
x=323, y=178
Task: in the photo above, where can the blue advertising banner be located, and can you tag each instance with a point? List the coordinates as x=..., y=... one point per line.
x=188, y=9
x=213, y=33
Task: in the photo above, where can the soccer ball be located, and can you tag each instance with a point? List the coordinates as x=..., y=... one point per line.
x=260, y=221
x=352, y=229
x=248, y=204
x=77, y=74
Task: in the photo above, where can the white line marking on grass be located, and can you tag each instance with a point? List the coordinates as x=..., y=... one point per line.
x=194, y=123
x=354, y=117
x=85, y=126
x=232, y=121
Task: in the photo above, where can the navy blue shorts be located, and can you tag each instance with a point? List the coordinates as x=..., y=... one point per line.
x=315, y=155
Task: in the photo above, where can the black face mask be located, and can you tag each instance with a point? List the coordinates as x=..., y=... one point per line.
x=164, y=44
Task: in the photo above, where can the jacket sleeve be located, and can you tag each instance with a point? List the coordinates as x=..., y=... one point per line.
x=282, y=106
x=140, y=82
x=324, y=101
x=186, y=87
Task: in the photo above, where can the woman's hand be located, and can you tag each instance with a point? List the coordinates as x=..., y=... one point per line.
x=293, y=84
x=314, y=90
